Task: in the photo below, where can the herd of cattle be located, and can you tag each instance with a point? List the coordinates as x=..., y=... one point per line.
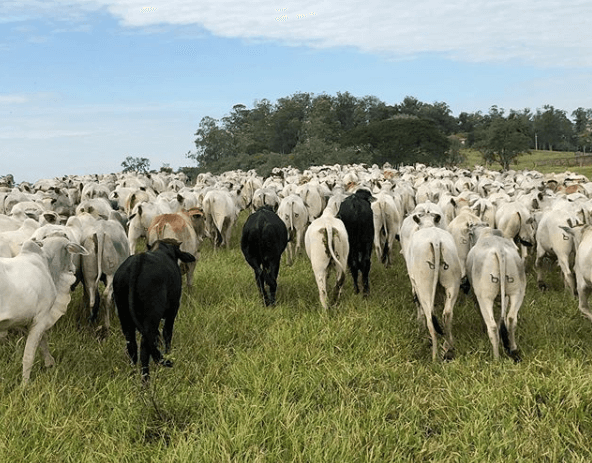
x=457, y=229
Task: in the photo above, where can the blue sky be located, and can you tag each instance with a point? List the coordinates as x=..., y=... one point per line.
x=85, y=83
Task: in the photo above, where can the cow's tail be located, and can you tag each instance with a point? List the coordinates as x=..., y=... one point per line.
x=329, y=230
x=501, y=257
x=437, y=251
x=100, y=237
x=385, y=226
x=291, y=230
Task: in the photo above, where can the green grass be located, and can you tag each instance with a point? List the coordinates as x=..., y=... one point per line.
x=531, y=161
x=296, y=383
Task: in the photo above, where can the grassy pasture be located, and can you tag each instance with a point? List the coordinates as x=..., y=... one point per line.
x=531, y=161
x=296, y=383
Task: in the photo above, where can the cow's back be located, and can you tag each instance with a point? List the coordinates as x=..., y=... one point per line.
x=264, y=234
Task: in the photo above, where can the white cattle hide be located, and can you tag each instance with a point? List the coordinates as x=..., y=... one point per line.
x=327, y=247
x=433, y=264
x=494, y=268
x=554, y=242
x=35, y=292
x=294, y=214
x=15, y=238
x=583, y=266
x=387, y=223
x=459, y=228
x=220, y=212
x=516, y=223
x=265, y=197
x=314, y=199
x=424, y=215
x=140, y=219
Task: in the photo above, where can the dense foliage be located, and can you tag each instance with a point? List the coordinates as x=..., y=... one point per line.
x=306, y=129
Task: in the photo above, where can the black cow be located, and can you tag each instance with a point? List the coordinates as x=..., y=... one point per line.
x=146, y=289
x=356, y=214
x=264, y=239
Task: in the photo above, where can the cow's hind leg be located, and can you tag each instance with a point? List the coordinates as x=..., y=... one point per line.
x=44, y=347
x=339, y=280
x=510, y=324
x=33, y=340
x=271, y=278
x=129, y=332
x=321, y=277
x=451, y=296
x=539, y=264
x=354, y=273
x=433, y=333
x=583, y=295
x=366, y=277
x=486, y=307
x=167, y=330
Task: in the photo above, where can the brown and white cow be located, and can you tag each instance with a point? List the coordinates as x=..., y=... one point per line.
x=186, y=227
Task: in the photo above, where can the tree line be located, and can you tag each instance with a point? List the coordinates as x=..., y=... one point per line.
x=306, y=129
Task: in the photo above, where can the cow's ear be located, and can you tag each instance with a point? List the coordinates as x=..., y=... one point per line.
x=185, y=257
x=75, y=248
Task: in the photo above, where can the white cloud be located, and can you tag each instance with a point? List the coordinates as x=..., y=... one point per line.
x=9, y=133
x=547, y=33
x=8, y=99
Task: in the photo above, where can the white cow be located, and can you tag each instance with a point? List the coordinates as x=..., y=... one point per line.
x=432, y=263
x=387, y=223
x=494, y=268
x=327, y=247
x=554, y=242
x=314, y=198
x=459, y=227
x=35, y=292
x=424, y=214
x=294, y=214
x=99, y=207
x=265, y=197
x=15, y=238
x=107, y=246
x=220, y=212
x=485, y=209
x=582, y=267
x=516, y=223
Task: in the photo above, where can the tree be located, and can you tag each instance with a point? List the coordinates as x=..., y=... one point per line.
x=504, y=139
x=212, y=143
x=139, y=165
x=401, y=140
x=583, y=133
x=287, y=120
x=554, y=130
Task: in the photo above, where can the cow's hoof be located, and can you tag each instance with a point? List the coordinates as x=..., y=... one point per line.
x=166, y=363
x=515, y=355
x=465, y=286
x=542, y=286
x=449, y=355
